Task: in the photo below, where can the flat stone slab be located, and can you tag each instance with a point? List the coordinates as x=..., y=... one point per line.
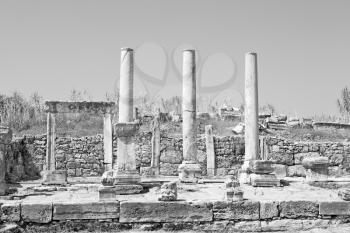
x=165, y=212
x=36, y=212
x=88, y=210
x=335, y=208
x=296, y=209
x=242, y=210
x=56, y=177
x=264, y=180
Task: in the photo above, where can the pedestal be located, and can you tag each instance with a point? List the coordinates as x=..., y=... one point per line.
x=122, y=183
x=189, y=172
x=55, y=177
x=316, y=168
x=264, y=180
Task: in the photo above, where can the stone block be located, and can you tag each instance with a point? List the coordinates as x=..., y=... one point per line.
x=11, y=212
x=126, y=129
x=285, y=225
x=280, y=170
x=243, y=210
x=281, y=158
x=268, y=209
x=334, y=208
x=189, y=172
x=344, y=194
x=298, y=157
x=56, y=177
x=87, y=210
x=107, y=193
x=234, y=194
x=315, y=162
x=165, y=212
x=36, y=212
x=246, y=226
x=168, y=192
x=296, y=209
x=125, y=189
x=264, y=180
x=261, y=166
x=297, y=170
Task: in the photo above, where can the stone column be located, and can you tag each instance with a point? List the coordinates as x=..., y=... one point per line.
x=124, y=177
x=5, y=139
x=50, y=142
x=108, y=141
x=50, y=174
x=251, y=108
x=189, y=169
x=156, y=145
x=209, y=143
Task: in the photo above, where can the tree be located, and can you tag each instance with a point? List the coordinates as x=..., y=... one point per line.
x=344, y=102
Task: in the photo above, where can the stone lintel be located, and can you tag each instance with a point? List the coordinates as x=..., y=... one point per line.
x=79, y=107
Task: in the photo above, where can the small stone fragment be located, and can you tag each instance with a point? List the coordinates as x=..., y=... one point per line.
x=344, y=194
x=168, y=192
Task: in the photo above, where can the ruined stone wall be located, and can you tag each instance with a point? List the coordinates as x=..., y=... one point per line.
x=84, y=156
x=289, y=155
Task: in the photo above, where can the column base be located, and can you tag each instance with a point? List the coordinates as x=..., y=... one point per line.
x=189, y=172
x=3, y=189
x=55, y=177
x=111, y=178
x=264, y=180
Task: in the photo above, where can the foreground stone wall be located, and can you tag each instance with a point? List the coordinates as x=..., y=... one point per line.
x=220, y=216
x=84, y=156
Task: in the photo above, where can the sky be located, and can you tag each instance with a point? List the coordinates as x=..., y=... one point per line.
x=52, y=47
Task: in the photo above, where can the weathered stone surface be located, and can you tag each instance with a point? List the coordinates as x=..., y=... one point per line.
x=298, y=157
x=344, y=194
x=88, y=210
x=78, y=107
x=335, y=208
x=36, y=212
x=280, y=170
x=56, y=177
x=282, y=158
x=168, y=192
x=315, y=223
x=282, y=225
x=264, y=180
x=246, y=226
x=261, y=166
x=297, y=170
x=268, y=209
x=123, y=189
x=243, y=210
x=234, y=194
x=295, y=209
x=314, y=162
x=107, y=193
x=165, y=212
x=11, y=212
x=128, y=129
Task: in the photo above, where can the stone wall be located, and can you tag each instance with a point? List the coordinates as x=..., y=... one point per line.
x=289, y=154
x=199, y=216
x=84, y=156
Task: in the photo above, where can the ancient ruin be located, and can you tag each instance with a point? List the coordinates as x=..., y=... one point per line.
x=127, y=179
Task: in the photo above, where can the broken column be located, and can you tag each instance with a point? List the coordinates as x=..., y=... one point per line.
x=189, y=170
x=5, y=139
x=254, y=171
x=155, y=159
x=124, y=178
x=209, y=144
x=51, y=176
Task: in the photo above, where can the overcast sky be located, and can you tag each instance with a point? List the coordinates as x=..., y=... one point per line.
x=303, y=46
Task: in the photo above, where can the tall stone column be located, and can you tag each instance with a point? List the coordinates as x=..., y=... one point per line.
x=124, y=177
x=189, y=169
x=155, y=159
x=251, y=108
x=254, y=171
x=5, y=139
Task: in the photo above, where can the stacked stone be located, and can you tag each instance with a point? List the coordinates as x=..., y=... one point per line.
x=261, y=174
x=344, y=194
x=168, y=192
x=233, y=191
x=5, y=138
